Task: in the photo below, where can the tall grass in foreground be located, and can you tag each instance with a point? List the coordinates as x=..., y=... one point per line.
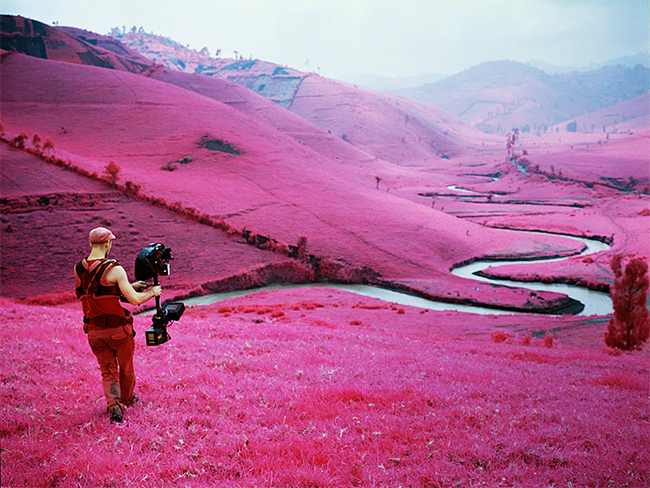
x=281, y=396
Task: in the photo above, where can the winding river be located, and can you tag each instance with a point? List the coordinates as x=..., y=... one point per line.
x=596, y=303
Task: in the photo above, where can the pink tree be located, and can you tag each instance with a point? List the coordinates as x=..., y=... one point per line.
x=48, y=145
x=112, y=171
x=630, y=326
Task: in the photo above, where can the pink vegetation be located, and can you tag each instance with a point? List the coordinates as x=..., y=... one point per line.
x=630, y=326
x=273, y=185
x=322, y=388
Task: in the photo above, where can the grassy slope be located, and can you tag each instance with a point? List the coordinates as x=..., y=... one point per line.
x=593, y=158
x=69, y=45
x=46, y=233
x=323, y=388
x=95, y=115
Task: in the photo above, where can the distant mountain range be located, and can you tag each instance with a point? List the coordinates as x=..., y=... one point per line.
x=494, y=96
x=499, y=95
x=630, y=61
x=392, y=84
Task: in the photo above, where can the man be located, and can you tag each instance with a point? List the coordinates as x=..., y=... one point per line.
x=99, y=284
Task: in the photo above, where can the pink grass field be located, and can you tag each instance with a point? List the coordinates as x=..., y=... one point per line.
x=322, y=388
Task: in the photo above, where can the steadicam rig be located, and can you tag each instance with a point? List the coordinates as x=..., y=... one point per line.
x=152, y=261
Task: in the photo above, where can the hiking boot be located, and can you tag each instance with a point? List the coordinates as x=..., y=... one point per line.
x=134, y=400
x=116, y=414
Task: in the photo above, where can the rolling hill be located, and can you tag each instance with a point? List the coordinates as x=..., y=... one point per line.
x=37, y=39
x=396, y=129
x=494, y=97
x=265, y=182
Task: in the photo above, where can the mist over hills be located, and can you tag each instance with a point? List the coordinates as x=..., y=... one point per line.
x=388, y=84
x=494, y=96
x=499, y=95
x=642, y=58
x=392, y=84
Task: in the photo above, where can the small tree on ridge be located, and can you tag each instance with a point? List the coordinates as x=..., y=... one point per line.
x=630, y=326
x=112, y=171
x=36, y=141
x=48, y=145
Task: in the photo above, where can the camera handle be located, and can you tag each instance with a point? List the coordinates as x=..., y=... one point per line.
x=155, y=283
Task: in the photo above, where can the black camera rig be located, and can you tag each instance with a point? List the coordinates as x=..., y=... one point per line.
x=152, y=261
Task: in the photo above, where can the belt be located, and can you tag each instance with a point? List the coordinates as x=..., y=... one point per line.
x=106, y=321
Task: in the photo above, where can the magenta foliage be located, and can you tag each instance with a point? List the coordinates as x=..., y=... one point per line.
x=630, y=326
x=288, y=393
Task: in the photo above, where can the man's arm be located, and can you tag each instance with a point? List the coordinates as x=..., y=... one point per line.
x=118, y=276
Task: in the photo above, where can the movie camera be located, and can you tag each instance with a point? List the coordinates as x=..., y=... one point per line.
x=152, y=261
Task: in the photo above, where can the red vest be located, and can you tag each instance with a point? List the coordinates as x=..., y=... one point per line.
x=97, y=299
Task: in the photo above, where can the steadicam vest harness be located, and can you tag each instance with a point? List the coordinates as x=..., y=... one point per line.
x=100, y=303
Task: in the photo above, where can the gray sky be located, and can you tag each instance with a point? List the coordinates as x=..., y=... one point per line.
x=382, y=37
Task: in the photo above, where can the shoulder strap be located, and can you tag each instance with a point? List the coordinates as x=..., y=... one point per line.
x=81, y=273
x=79, y=268
x=99, y=272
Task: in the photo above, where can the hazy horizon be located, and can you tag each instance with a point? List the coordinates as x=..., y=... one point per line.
x=388, y=38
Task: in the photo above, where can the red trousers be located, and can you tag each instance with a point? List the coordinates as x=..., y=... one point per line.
x=114, y=351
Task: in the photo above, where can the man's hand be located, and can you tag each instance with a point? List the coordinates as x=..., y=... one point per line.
x=140, y=285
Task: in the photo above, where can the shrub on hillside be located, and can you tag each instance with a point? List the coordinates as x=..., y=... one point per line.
x=501, y=336
x=630, y=326
x=132, y=189
x=169, y=166
x=302, y=248
x=213, y=144
x=36, y=141
x=48, y=145
x=19, y=140
x=549, y=340
x=112, y=171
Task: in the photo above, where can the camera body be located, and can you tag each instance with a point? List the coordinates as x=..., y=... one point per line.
x=152, y=261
